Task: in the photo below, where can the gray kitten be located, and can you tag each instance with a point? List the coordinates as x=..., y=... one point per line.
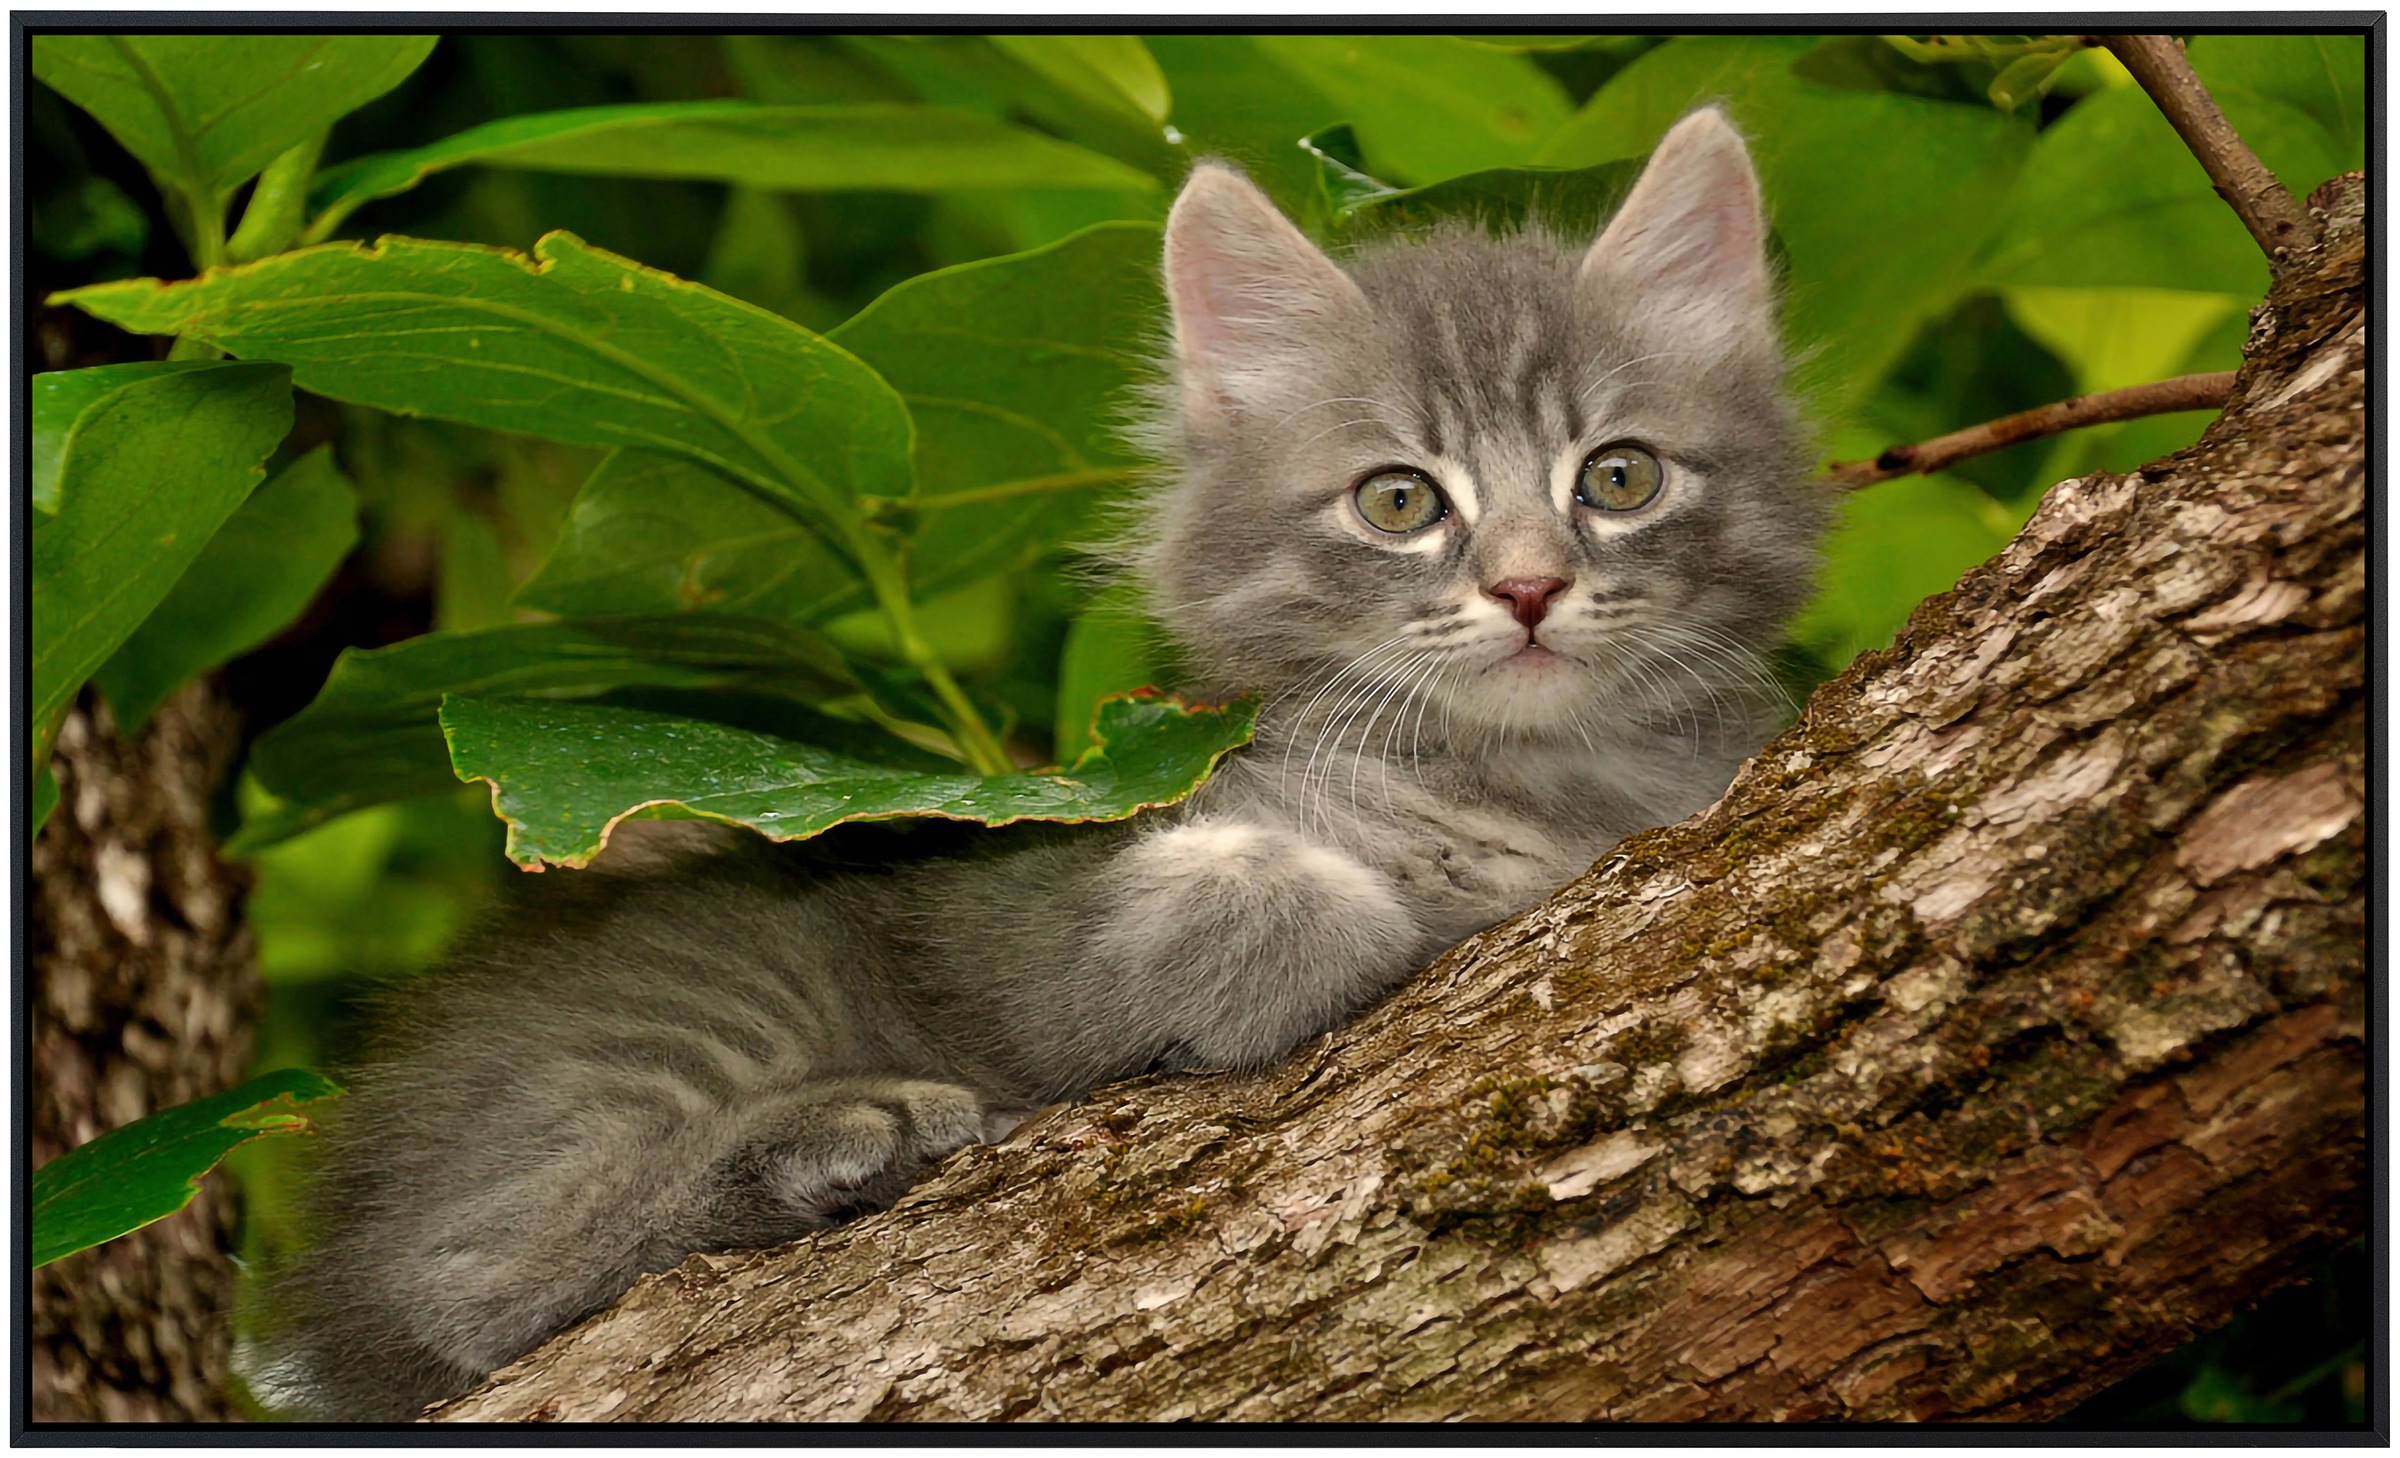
x=1498, y=527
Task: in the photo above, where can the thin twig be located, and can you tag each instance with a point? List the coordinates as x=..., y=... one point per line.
x=2281, y=226
x=2185, y=392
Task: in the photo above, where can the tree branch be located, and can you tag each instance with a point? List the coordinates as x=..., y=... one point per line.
x=2185, y=392
x=2267, y=209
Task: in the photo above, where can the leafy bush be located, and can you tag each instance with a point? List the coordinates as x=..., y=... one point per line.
x=777, y=524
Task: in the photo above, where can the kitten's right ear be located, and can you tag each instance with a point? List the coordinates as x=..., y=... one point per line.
x=1240, y=278
x=1689, y=245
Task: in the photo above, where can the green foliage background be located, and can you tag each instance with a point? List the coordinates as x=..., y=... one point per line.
x=759, y=494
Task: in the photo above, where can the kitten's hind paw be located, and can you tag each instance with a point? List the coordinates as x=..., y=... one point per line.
x=836, y=1150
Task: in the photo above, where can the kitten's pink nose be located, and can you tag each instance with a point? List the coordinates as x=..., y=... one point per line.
x=1528, y=597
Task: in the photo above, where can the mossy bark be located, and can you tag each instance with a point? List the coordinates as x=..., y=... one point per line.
x=1999, y=1029
x=143, y=994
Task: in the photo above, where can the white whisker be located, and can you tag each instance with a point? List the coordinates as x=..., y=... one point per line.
x=1384, y=756
x=1370, y=695
x=1393, y=646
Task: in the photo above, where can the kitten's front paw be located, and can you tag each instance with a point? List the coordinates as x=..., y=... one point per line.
x=1239, y=939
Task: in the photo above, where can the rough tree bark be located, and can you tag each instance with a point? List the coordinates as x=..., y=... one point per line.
x=143, y=996
x=2000, y=1028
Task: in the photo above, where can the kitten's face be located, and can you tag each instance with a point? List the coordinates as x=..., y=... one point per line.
x=1542, y=491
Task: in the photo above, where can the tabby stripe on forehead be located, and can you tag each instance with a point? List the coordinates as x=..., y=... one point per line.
x=1433, y=432
x=1454, y=387
x=1536, y=371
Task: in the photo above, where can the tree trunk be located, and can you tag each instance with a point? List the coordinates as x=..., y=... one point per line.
x=2001, y=1028
x=143, y=996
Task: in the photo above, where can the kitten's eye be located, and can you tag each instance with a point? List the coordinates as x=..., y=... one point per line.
x=1399, y=501
x=1621, y=477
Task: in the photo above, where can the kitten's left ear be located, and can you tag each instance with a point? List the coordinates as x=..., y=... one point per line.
x=1240, y=278
x=1688, y=248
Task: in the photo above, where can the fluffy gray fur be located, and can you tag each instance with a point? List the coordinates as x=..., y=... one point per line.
x=760, y=1040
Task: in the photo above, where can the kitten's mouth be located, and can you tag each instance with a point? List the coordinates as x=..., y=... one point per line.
x=1532, y=655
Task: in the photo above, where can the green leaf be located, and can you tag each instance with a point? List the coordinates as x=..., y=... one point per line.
x=575, y=344
x=63, y=397
x=254, y=576
x=152, y=1167
x=1895, y=545
x=146, y=474
x=2322, y=75
x=2112, y=198
x=370, y=734
x=1017, y=371
x=1428, y=107
x=653, y=533
x=1880, y=238
x=1014, y=369
x=588, y=348
x=880, y=146
x=208, y=112
x=1111, y=71
x=564, y=774
x=2113, y=338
